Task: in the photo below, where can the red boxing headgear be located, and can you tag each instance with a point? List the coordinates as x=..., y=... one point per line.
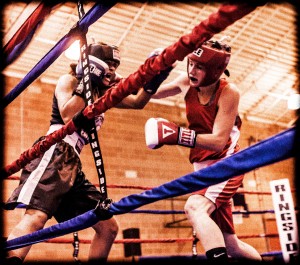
x=214, y=56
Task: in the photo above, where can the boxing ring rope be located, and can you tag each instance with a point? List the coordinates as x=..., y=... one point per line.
x=61, y=240
x=266, y=152
x=167, y=241
x=182, y=212
x=157, y=240
x=171, y=240
x=140, y=187
x=272, y=150
x=225, y=16
x=165, y=212
x=277, y=148
x=98, y=10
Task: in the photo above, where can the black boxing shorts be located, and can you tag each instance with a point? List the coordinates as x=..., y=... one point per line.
x=55, y=184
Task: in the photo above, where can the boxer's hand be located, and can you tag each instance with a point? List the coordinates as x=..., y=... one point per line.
x=160, y=131
x=152, y=86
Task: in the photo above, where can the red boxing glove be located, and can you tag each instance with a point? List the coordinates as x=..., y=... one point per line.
x=160, y=131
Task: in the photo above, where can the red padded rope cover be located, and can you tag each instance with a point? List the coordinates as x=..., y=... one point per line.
x=215, y=23
x=226, y=15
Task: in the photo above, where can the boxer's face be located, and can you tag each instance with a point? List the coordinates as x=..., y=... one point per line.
x=196, y=73
x=112, y=66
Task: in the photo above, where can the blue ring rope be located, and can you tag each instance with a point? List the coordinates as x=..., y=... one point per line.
x=98, y=10
x=277, y=148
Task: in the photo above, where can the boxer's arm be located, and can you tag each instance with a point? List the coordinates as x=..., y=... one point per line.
x=138, y=101
x=142, y=97
x=68, y=103
x=159, y=132
x=177, y=86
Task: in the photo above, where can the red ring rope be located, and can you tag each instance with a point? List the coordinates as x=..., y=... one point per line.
x=113, y=186
x=159, y=240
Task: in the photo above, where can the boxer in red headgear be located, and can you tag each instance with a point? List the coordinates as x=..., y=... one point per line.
x=212, y=134
x=214, y=57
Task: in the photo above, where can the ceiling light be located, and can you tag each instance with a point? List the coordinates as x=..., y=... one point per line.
x=294, y=102
x=73, y=52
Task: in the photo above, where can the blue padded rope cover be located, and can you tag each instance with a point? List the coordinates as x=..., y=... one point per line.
x=182, y=212
x=271, y=150
x=277, y=148
x=78, y=223
x=98, y=10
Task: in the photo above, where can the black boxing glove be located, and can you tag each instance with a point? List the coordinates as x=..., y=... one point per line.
x=152, y=86
x=82, y=122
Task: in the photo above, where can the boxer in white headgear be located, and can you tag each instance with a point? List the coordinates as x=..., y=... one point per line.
x=59, y=188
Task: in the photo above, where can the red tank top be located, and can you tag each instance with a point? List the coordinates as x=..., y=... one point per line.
x=201, y=119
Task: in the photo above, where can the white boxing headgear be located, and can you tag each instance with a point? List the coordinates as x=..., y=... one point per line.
x=99, y=54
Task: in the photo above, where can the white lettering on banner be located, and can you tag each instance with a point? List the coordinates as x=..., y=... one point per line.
x=98, y=162
x=102, y=180
x=93, y=136
x=88, y=94
x=84, y=63
x=94, y=144
x=285, y=218
x=102, y=190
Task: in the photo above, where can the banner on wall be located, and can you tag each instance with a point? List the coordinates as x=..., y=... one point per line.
x=285, y=219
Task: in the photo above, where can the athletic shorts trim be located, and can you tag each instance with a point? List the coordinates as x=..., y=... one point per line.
x=55, y=184
x=34, y=178
x=74, y=139
x=221, y=195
